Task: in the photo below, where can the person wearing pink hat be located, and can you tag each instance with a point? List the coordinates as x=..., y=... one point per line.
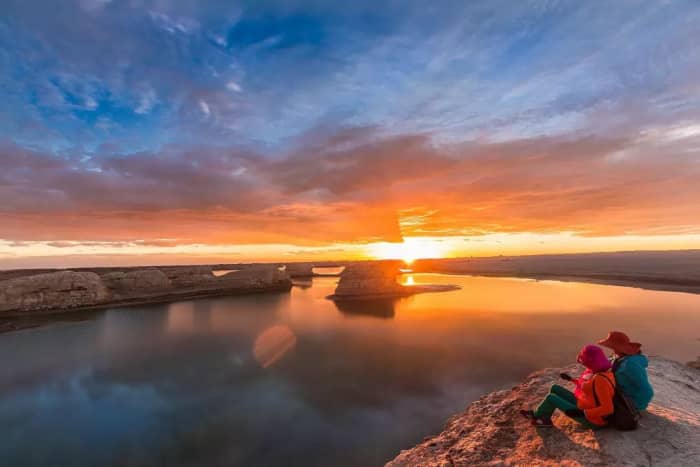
x=590, y=403
x=630, y=368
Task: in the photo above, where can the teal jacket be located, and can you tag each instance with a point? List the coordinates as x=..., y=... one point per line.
x=631, y=377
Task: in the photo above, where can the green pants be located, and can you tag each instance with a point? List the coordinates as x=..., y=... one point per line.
x=562, y=399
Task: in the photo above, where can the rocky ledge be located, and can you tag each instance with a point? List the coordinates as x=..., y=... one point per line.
x=64, y=290
x=491, y=432
x=378, y=280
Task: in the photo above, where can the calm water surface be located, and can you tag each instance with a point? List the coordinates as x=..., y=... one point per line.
x=291, y=379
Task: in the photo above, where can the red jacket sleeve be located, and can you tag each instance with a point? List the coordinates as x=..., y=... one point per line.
x=604, y=391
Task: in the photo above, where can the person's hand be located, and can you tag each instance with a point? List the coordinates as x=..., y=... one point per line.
x=566, y=376
x=574, y=412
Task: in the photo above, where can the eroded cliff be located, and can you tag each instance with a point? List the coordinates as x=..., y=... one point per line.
x=71, y=290
x=491, y=432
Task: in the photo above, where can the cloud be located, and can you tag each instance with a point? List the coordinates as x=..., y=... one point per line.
x=94, y=5
x=372, y=165
x=90, y=103
x=205, y=107
x=146, y=101
x=534, y=69
x=127, y=121
x=233, y=86
x=354, y=186
x=171, y=25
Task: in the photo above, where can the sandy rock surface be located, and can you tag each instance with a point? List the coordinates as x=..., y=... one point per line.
x=54, y=290
x=136, y=283
x=492, y=433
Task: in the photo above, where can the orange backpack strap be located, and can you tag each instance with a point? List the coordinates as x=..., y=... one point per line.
x=595, y=394
x=607, y=379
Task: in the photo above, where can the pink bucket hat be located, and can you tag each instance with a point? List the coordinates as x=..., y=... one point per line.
x=593, y=358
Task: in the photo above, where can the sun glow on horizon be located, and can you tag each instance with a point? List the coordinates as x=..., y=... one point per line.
x=411, y=249
x=72, y=253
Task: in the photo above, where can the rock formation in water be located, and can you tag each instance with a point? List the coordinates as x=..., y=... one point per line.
x=306, y=270
x=371, y=279
x=68, y=290
x=378, y=280
x=300, y=270
x=491, y=432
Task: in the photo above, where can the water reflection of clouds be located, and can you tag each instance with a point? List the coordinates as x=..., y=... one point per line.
x=80, y=419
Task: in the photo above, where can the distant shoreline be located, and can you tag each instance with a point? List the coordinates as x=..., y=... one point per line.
x=636, y=283
x=672, y=271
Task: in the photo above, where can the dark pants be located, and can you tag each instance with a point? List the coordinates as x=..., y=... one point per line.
x=562, y=399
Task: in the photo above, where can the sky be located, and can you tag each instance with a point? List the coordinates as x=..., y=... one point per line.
x=181, y=131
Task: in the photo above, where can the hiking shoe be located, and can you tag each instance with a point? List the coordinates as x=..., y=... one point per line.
x=536, y=421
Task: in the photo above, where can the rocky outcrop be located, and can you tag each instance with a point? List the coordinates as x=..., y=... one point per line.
x=60, y=290
x=300, y=270
x=491, y=432
x=695, y=364
x=378, y=280
x=187, y=277
x=371, y=280
x=138, y=283
x=306, y=270
x=261, y=277
x=69, y=290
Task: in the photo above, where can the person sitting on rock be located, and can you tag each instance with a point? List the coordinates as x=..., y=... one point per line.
x=592, y=400
x=630, y=368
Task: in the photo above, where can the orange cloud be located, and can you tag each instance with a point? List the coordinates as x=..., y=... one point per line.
x=355, y=187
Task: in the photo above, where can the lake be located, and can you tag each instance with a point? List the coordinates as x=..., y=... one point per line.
x=291, y=379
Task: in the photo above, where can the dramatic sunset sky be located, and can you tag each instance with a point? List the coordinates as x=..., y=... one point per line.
x=176, y=131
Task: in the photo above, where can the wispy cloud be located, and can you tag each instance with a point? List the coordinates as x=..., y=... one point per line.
x=280, y=122
x=204, y=107
x=233, y=86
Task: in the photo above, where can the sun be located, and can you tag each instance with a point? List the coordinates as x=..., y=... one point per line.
x=411, y=249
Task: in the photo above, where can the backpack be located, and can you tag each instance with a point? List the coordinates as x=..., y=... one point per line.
x=625, y=416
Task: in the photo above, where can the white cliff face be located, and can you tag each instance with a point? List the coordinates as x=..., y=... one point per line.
x=491, y=432
x=141, y=282
x=67, y=290
x=55, y=290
